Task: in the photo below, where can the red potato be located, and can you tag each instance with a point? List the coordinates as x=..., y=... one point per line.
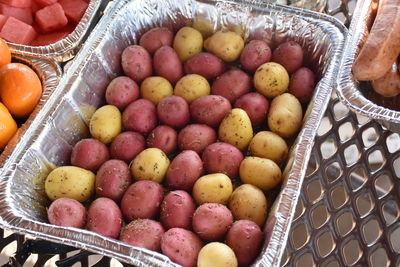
x=302, y=84
x=167, y=64
x=255, y=105
x=121, y=91
x=67, y=212
x=254, y=54
x=143, y=233
x=142, y=200
x=205, y=64
x=196, y=137
x=289, y=55
x=89, y=154
x=174, y=111
x=104, y=217
x=177, y=210
x=232, y=84
x=222, y=158
x=112, y=179
x=155, y=38
x=181, y=246
x=210, y=109
x=136, y=63
x=164, y=138
x=211, y=221
x=127, y=145
x=140, y=116
x=184, y=170
x=245, y=239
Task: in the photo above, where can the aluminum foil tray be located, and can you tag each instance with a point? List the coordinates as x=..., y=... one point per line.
x=49, y=73
x=360, y=97
x=66, y=48
x=64, y=120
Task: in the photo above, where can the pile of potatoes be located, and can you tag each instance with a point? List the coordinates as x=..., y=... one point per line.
x=184, y=153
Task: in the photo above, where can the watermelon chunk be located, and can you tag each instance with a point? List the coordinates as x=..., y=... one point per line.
x=35, y=7
x=74, y=9
x=53, y=37
x=44, y=3
x=17, y=3
x=3, y=20
x=22, y=14
x=51, y=18
x=17, y=31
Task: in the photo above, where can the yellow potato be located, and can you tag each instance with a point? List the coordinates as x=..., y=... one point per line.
x=71, y=182
x=212, y=188
x=155, y=88
x=192, y=86
x=188, y=42
x=236, y=129
x=260, y=172
x=269, y=145
x=226, y=45
x=285, y=115
x=248, y=202
x=151, y=164
x=106, y=123
x=271, y=79
x=216, y=254
x=203, y=25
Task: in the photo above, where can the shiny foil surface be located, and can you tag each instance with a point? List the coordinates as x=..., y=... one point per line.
x=64, y=119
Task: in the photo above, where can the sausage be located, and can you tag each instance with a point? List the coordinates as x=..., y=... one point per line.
x=389, y=84
x=382, y=45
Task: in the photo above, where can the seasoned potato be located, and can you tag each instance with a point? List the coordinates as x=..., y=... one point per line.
x=184, y=170
x=173, y=111
x=155, y=88
x=177, y=210
x=226, y=45
x=67, y=212
x=254, y=54
x=260, y=172
x=232, y=84
x=151, y=164
x=216, y=254
x=89, y=154
x=136, y=63
x=255, y=105
x=271, y=79
x=249, y=203
x=192, y=87
x=302, y=84
x=196, y=137
x=236, y=129
x=164, y=138
x=181, y=246
x=121, y=91
x=188, y=42
x=104, y=217
x=144, y=233
x=212, y=188
x=140, y=116
x=106, y=123
x=142, y=200
x=285, y=115
x=167, y=64
x=205, y=64
x=112, y=179
x=289, y=55
x=210, y=109
x=211, y=221
x=155, y=38
x=245, y=239
x=269, y=145
x=71, y=182
x=127, y=145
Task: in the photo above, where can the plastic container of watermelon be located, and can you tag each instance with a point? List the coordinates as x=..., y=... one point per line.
x=27, y=26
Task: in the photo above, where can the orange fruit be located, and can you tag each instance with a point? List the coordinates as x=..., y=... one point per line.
x=5, y=54
x=8, y=126
x=20, y=89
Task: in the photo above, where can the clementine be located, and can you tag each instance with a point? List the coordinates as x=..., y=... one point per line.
x=8, y=126
x=20, y=89
x=5, y=54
